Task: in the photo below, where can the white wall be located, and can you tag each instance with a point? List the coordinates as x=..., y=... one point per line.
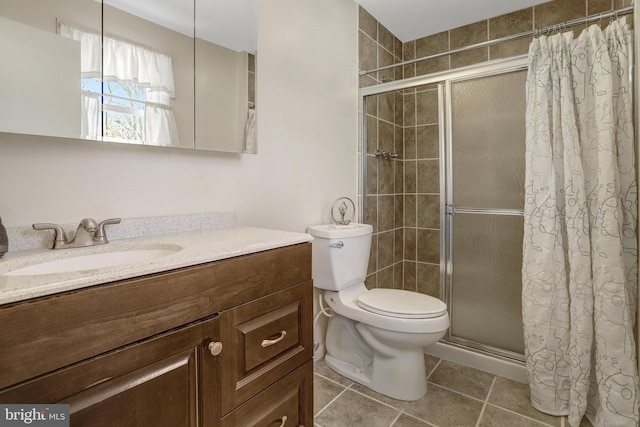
x=307, y=143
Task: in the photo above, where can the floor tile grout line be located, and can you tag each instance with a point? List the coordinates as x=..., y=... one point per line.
x=374, y=399
x=403, y=410
x=400, y=409
x=418, y=418
x=453, y=391
x=434, y=368
x=334, y=381
x=486, y=401
x=330, y=402
x=396, y=418
x=524, y=416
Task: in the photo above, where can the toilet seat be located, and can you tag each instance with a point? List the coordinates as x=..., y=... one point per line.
x=401, y=304
x=346, y=304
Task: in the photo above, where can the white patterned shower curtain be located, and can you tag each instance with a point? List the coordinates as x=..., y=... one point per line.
x=580, y=247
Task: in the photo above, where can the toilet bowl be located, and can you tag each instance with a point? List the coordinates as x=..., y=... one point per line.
x=376, y=337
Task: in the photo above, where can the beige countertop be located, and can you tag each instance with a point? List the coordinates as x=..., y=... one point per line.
x=191, y=248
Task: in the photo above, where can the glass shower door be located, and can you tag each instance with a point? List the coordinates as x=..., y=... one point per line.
x=485, y=149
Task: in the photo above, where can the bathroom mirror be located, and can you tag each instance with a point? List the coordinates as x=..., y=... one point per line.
x=128, y=71
x=40, y=71
x=225, y=32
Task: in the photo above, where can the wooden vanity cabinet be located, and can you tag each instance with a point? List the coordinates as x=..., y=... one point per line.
x=259, y=318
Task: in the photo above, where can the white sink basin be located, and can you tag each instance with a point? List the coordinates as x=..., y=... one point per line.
x=92, y=261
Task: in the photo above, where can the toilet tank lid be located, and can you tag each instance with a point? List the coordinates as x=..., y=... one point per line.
x=399, y=303
x=332, y=231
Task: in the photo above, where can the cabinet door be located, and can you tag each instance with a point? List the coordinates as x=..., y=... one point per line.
x=152, y=383
x=161, y=394
x=264, y=340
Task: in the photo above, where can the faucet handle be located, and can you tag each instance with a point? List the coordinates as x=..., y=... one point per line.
x=59, y=236
x=100, y=237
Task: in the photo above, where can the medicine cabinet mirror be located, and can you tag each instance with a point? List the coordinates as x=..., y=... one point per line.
x=170, y=73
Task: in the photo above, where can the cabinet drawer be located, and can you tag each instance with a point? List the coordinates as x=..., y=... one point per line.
x=288, y=402
x=263, y=341
x=269, y=335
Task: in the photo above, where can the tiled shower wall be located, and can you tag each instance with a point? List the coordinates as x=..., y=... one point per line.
x=402, y=200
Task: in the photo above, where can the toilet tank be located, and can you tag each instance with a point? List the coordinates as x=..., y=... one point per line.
x=340, y=255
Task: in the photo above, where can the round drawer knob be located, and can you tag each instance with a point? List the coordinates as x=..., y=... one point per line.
x=215, y=348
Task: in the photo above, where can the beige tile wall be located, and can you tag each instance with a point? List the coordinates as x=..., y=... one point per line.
x=402, y=200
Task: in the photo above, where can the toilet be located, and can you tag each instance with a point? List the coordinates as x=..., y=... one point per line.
x=375, y=337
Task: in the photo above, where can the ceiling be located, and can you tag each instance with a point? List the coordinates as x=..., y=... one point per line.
x=232, y=23
x=228, y=23
x=414, y=19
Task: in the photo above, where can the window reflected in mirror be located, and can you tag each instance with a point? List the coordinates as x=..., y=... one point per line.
x=131, y=71
x=132, y=102
x=147, y=73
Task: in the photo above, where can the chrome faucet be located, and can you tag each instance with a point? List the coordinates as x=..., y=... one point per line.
x=89, y=233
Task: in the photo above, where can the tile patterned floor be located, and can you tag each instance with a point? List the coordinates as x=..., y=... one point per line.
x=456, y=396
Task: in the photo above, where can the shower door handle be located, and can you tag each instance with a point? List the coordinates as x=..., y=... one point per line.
x=449, y=209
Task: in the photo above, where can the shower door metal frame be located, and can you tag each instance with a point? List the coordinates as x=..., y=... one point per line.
x=485, y=68
x=448, y=208
x=444, y=80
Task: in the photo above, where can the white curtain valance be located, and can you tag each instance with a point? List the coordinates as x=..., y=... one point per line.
x=90, y=50
x=122, y=61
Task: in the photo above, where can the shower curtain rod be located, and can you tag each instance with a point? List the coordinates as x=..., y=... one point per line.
x=532, y=33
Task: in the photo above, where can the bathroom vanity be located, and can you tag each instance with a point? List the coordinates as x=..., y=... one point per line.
x=227, y=342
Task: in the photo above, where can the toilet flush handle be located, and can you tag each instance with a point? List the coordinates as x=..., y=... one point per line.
x=338, y=245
